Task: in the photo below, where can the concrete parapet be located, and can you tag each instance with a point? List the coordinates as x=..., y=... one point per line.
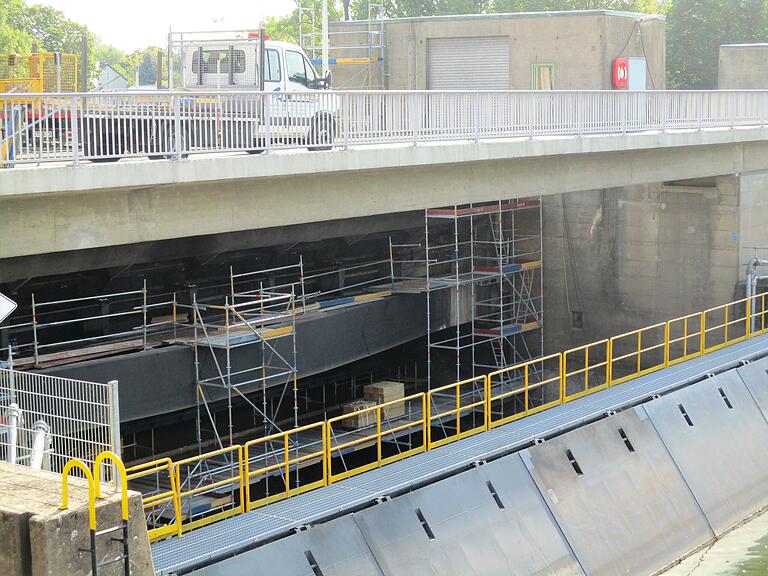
x=39, y=539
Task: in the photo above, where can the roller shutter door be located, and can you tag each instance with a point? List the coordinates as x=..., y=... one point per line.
x=468, y=63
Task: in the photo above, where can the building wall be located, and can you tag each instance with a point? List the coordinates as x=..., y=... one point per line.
x=581, y=45
x=630, y=257
x=743, y=66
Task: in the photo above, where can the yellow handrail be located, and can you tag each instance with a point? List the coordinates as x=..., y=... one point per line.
x=107, y=455
x=599, y=358
x=75, y=463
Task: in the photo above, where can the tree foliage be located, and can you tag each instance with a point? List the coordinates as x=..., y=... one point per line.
x=697, y=28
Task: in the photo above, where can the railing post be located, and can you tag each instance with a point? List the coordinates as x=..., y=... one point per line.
x=609, y=365
x=75, y=130
x=476, y=116
x=346, y=118
x=177, y=126
x=579, y=111
x=531, y=123
x=625, y=113
x=267, y=119
x=114, y=425
x=416, y=116
x=34, y=330
x=666, y=344
x=144, y=313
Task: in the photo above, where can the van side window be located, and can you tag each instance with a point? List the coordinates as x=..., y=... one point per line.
x=272, y=72
x=294, y=63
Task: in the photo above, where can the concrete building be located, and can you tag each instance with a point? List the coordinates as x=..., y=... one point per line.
x=743, y=66
x=520, y=51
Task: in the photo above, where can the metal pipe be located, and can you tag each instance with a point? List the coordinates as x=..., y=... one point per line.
x=40, y=444
x=14, y=419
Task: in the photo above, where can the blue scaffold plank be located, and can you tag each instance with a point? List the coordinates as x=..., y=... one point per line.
x=247, y=530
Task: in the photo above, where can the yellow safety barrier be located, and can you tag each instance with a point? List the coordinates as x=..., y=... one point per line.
x=75, y=463
x=638, y=352
x=758, y=315
x=586, y=369
x=282, y=456
x=724, y=325
x=203, y=475
x=390, y=419
x=115, y=459
x=524, y=389
x=161, y=498
x=684, y=337
x=379, y=433
x=453, y=403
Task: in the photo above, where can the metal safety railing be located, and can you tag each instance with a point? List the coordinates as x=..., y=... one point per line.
x=47, y=420
x=350, y=444
x=53, y=127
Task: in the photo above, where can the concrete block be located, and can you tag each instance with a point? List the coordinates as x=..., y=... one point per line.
x=38, y=539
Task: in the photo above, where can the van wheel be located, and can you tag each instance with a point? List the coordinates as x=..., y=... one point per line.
x=322, y=134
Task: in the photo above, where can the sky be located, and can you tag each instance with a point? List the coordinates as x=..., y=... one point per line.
x=139, y=23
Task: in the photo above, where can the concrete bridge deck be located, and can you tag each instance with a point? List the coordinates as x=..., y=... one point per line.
x=64, y=208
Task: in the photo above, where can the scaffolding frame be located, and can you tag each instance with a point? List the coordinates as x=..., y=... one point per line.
x=485, y=251
x=368, y=56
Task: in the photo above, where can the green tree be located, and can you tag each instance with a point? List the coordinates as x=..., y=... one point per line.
x=286, y=28
x=697, y=28
x=12, y=39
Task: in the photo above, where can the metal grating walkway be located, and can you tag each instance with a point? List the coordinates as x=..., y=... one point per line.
x=247, y=530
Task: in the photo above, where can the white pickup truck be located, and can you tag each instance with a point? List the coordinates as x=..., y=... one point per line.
x=300, y=110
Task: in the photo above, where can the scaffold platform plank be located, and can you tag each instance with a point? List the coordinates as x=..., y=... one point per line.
x=248, y=530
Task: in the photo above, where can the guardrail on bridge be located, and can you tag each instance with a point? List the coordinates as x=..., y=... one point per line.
x=36, y=128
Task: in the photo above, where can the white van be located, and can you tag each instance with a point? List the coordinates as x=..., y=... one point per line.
x=234, y=65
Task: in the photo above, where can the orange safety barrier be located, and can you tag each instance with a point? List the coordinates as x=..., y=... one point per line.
x=586, y=369
x=281, y=457
x=391, y=423
x=524, y=389
x=449, y=405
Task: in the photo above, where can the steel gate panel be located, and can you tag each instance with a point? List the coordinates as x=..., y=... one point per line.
x=458, y=526
x=617, y=496
x=755, y=377
x=719, y=439
x=336, y=548
x=480, y=63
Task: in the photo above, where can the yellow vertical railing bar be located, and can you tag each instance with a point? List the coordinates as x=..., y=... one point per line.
x=748, y=317
x=703, y=335
x=378, y=436
x=287, y=453
x=666, y=344
x=639, y=348
x=525, y=385
x=610, y=362
x=458, y=409
x=424, y=421
x=562, y=375
x=247, y=478
x=685, y=337
x=725, y=340
x=586, y=369
x=487, y=384
x=326, y=456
